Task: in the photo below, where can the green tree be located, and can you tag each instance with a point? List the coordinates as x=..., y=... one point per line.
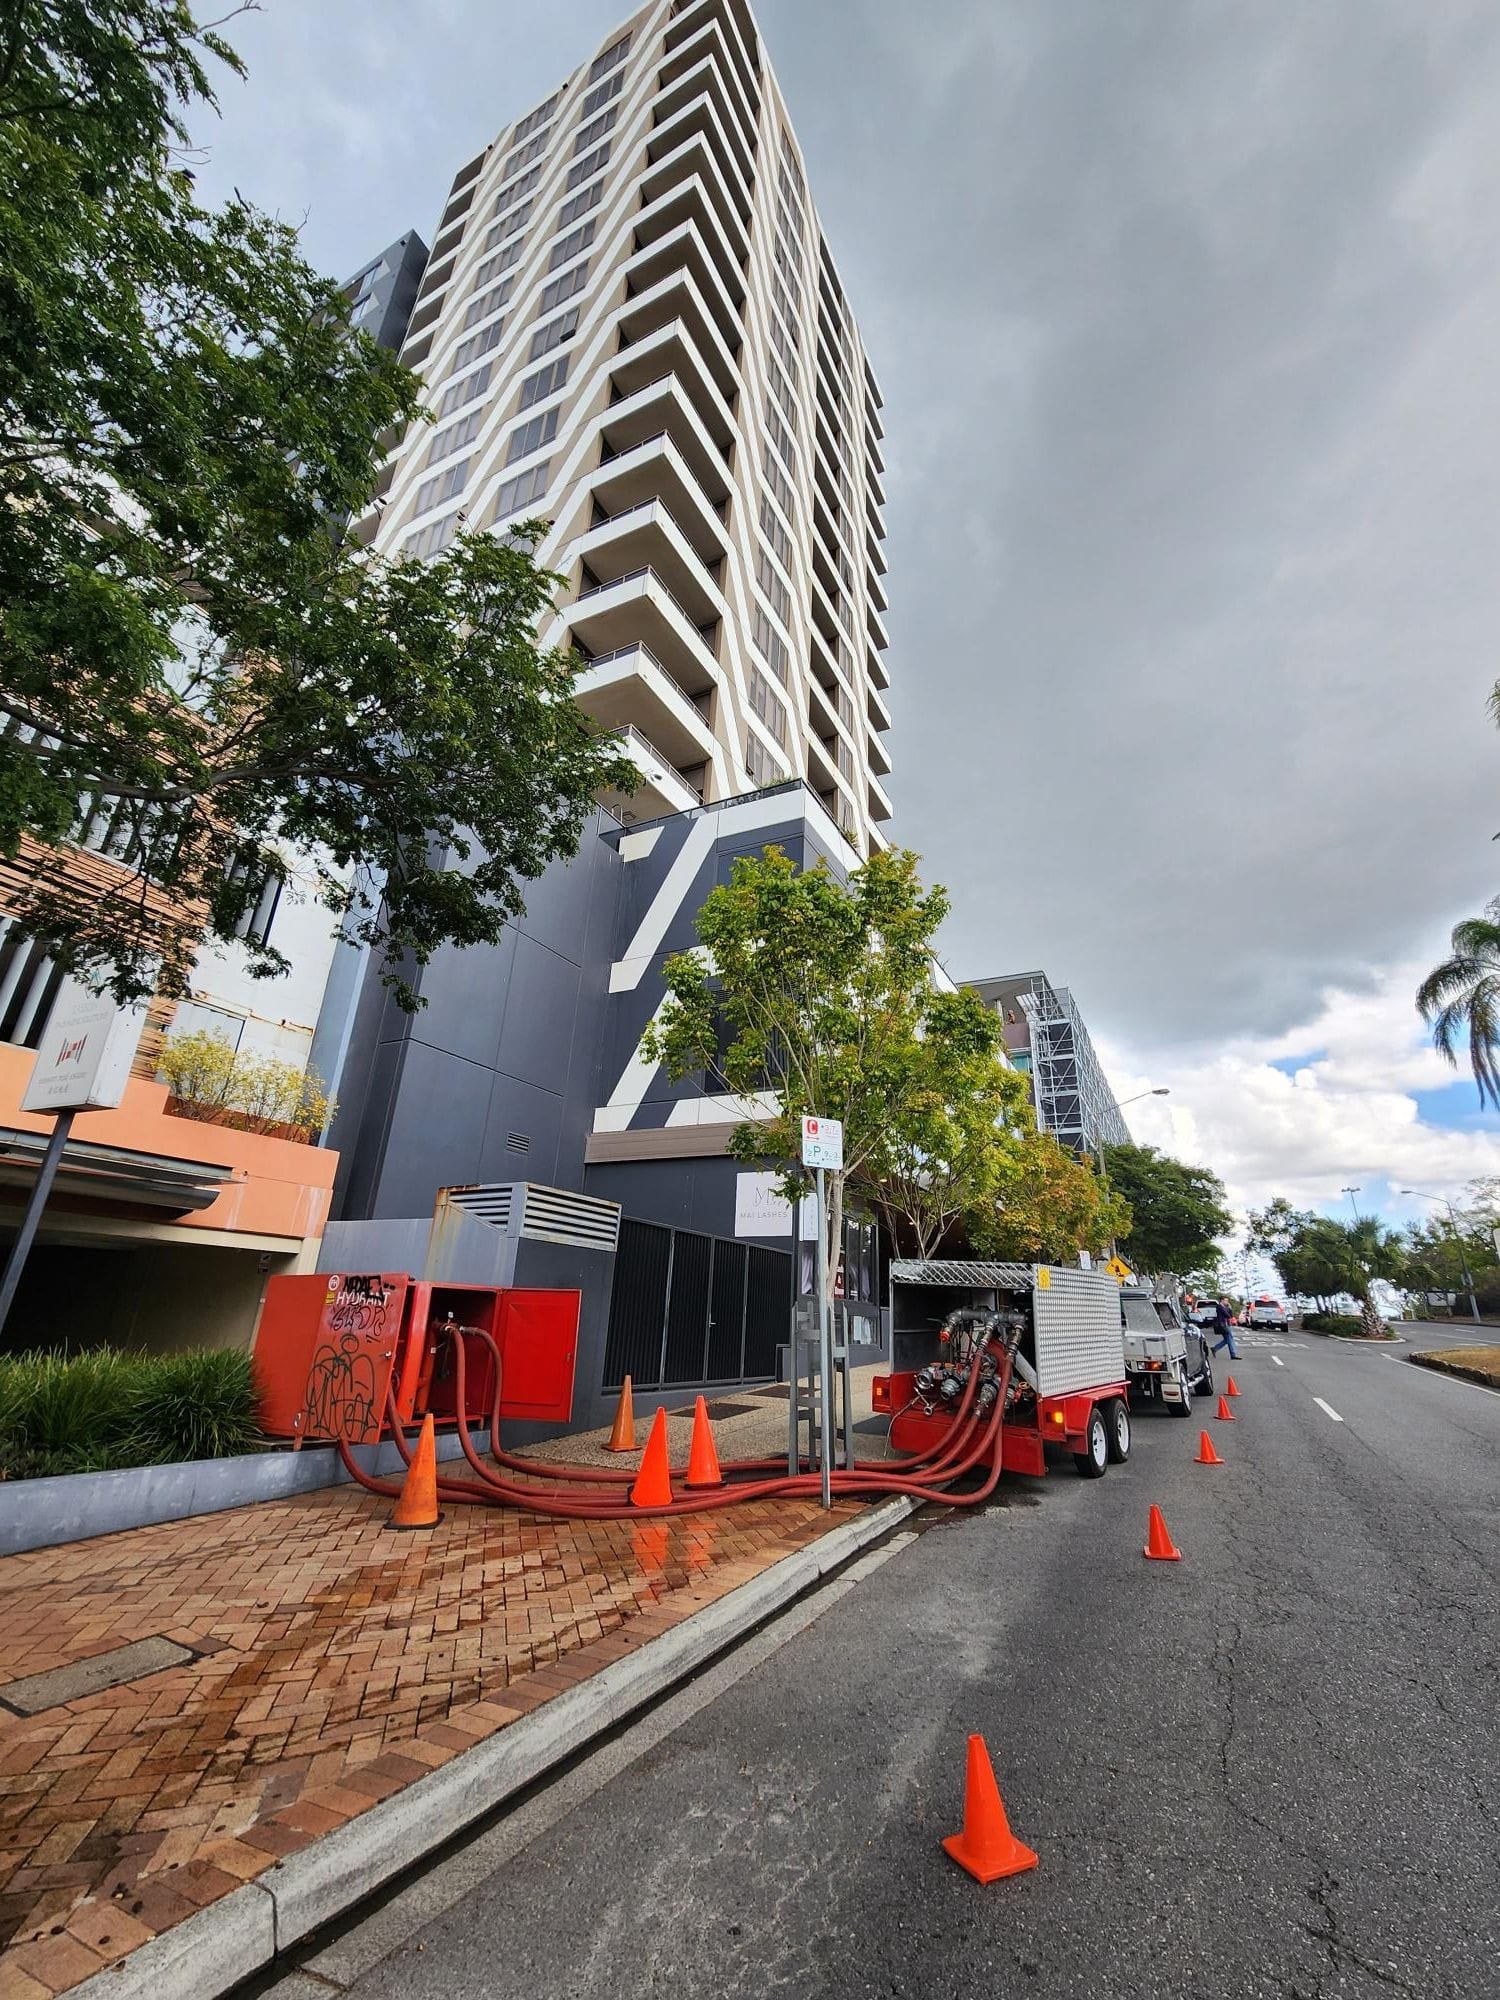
x=810, y=997
x=1048, y=1206
x=1460, y=999
x=195, y=663
x=944, y=1158
x=1177, y=1212
x=1319, y=1256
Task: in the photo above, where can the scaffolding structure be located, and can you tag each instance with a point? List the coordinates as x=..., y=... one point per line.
x=1045, y=1034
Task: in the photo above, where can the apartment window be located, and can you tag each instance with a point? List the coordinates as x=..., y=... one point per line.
x=767, y=705
x=784, y=307
x=568, y=249
x=770, y=644
x=846, y=708
x=466, y=391
x=432, y=539
x=442, y=486
x=579, y=204
x=533, y=119
x=566, y=287
x=524, y=155
x=264, y=880
x=845, y=758
x=790, y=183
x=522, y=490
x=762, y=767
x=609, y=58
x=786, y=352
x=771, y=527
x=845, y=654
x=488, y=302
x=499, y=231
x=606, y=93
x=776, y=479
x=789, y=257
x=544, y=382
x=553, y=334
x=780, y=436
x=590, y=134
x=783, y=392
x=476, y=344
x=509, y=196
x=455, y=437
x=501, y=261
x=591, y=163
x=531, y=436
x=779, y=596
x=791, y=172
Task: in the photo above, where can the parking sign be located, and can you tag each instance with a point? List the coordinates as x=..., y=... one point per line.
x=822, y=1142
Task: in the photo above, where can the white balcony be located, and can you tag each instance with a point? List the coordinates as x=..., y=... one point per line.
x=701, y=114
x=876, y=708
x=671, y=350
x=876, y=667
x=877, y=757
x=710, y=78
x=879, y=637
x=646, y=537
x=662, y=788
x=664, y=405
x=656, y=470
x=677, y=296
x=641, y=610
x=880, y=803
x=685, y=249
x=691, y=19
x=712, y=43
x=632, y=689
x=689, y=201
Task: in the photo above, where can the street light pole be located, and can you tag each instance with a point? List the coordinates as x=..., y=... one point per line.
x=1458, y=1244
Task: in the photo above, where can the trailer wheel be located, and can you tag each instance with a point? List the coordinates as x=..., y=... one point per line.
x=1093, y=1460
x=1184, y=1408
x=1117, y=1425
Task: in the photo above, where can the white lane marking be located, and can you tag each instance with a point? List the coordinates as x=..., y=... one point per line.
x=1328, y=1409
x=1278, y=1360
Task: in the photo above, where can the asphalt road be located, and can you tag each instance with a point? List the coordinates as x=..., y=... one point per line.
x=1273, y=1768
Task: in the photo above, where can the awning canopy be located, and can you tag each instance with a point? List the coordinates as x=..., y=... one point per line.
x=112, y=1176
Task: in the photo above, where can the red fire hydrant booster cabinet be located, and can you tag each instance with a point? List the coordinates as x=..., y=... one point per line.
x=1067, y=1385
x=331, y=1345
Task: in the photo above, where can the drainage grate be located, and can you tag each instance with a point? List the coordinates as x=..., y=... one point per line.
x=83, y=1677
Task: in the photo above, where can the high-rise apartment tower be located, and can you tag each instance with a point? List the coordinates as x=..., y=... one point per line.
x=632, y=326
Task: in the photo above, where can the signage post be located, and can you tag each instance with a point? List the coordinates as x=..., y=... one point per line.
x=83, y=1064
x=823, y=1147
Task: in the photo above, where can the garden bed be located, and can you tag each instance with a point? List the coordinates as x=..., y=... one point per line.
x=1474, y=1364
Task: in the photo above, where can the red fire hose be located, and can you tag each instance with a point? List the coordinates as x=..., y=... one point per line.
x=597, y=1494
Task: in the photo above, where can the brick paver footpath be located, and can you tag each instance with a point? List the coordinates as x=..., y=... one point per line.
x=334, y=1662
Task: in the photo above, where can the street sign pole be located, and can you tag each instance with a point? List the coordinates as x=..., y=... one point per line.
x=15, y=1263
x=825, y=1350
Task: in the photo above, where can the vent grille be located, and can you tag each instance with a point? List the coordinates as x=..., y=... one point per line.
x=518, y=1142
x=545, y=1214
x=555, y=1216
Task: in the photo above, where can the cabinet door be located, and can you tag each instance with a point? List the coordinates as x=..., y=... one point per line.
x=538, y=1338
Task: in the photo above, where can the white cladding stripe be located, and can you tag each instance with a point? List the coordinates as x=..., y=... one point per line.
x=1079, y=1336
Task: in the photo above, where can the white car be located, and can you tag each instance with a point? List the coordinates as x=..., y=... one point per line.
x=1268, y=1312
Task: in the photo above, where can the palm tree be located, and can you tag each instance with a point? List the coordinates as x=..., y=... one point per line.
x=1461, y=997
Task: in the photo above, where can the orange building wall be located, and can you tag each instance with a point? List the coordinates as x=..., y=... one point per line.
x=279, y=1188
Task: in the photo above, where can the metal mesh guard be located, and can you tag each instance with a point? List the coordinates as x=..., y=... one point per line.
x=941, y=1271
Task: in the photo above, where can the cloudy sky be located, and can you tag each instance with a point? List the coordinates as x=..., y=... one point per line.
x=1187, y=315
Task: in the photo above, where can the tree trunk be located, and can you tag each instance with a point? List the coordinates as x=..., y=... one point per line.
x=833, y=1185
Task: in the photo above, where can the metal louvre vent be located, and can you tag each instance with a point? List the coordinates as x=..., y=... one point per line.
x=940, y=1271
x=488, y=1204
x=518, y=1142
x=1079, y=1331
x=553, y=1215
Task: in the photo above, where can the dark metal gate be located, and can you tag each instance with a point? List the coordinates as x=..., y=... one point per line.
x=689, y=1309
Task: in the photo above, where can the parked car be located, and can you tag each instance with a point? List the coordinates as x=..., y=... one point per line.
x=1167, y=1358
x=1267, y=1312
x=1203, y=1313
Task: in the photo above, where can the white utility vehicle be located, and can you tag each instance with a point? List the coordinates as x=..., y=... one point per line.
x=1167, y=1360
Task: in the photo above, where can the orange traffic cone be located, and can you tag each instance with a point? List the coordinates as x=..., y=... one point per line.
x=1224, y=1414
x=622, y=1437
x=1231, y=1387
x=1159, y=1545
x=653, y=1483
x=986, y=1847
x=1206, y=1453
x=703, y=1459
x=416, y=1506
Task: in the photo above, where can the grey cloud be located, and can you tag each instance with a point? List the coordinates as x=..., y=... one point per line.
x=1186, y=318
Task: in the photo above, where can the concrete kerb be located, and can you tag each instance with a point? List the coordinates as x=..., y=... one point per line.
x=242, y=1933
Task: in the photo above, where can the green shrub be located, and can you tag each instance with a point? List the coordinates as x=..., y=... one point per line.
x=102, y=1409
x=193, y=1406
x=1347, y=1324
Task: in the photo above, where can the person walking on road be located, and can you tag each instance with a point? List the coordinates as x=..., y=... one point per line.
x=1224, y=1328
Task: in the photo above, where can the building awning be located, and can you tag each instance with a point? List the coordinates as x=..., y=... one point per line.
x=112, y=1176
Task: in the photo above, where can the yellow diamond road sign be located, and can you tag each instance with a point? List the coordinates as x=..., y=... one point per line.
x=1118, y=1268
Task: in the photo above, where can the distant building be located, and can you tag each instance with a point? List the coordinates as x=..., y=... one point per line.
x=1046, y=1038
x=381, y=294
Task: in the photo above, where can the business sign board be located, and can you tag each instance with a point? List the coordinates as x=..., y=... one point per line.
x=822, y=1142
x=83, y=1063
x=760, y=1208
